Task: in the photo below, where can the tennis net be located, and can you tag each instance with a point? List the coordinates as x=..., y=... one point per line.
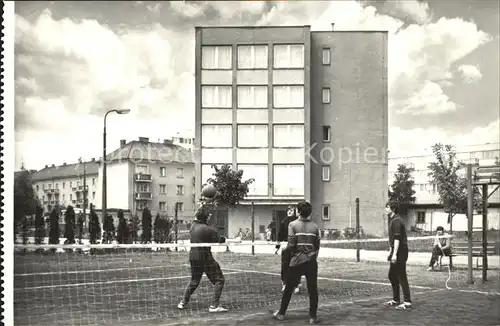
x=107, y=284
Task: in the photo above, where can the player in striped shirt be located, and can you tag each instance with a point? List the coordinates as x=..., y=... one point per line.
x=303, y=242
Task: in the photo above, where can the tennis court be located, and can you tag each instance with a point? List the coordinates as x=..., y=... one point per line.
x=144, y=287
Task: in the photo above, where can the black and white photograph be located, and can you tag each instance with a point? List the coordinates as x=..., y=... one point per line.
x=251, y=162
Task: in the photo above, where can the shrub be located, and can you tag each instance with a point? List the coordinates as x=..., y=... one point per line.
x=123, y=231
x=69, y=226
x=94, y=227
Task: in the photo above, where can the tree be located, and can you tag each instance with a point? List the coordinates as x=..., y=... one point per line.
x=134, y=226
x=25, y=201
x=39, y=226
x=146, y=225
x=161, y=229
x=54, y=227
x=451, y=187
x=94, y=227
x=69, y=227
x=157, y=228
x=109, y=229
x=25, y=228
x=123, y=232
x=401, y=190
x=230, y=187
x=81, y=224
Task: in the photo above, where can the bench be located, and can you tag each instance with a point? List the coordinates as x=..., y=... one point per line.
x=461, y=248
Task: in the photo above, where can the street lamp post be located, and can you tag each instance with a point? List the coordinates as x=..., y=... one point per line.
x=104, y=181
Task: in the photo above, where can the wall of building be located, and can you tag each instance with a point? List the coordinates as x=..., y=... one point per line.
x=435, y=217
x=171, y=180
x=123, y=186
x=232, y=116
x=241, y=218
x=64, y=191
x=119, y=186
x=357, y=116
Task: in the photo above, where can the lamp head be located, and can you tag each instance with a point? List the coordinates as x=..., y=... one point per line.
x=123, y=111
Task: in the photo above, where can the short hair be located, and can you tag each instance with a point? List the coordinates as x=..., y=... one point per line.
x=440, y=228
x=202, y=213
x=393, y=205
x=304, y=208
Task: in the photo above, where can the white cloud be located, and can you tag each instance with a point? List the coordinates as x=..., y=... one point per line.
x=188, y=9
x=408, y=142
x=420, y=55
x=70, y=69
x=430, y=98
x=469, y=73
x=417, y=10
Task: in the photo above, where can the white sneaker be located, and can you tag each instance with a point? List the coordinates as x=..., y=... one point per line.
x=297, y=290
x=182, y=305
x=430, y=269
x=404, y=306
x=217, y=309
x=283, y=288
x=391, y=303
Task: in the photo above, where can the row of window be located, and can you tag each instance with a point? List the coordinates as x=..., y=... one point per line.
x=163, y=171
x=288, y=180
x=162, y=206
x=256, y=136
x=255, y=97
x=285, y=56
x=70, y=197
x=146, y=187
x=252, y=97
x=56, y=185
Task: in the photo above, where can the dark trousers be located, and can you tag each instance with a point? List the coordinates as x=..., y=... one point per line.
x=310, y=271
x=398, y=276
x=436, y=252
x=286, y=257
x=212, y=269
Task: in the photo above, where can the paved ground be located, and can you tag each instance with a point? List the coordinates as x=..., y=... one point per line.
x=143, y=288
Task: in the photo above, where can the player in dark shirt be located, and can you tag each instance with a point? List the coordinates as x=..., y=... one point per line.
x=202, y=261
x=398, y=256
x=286, y=254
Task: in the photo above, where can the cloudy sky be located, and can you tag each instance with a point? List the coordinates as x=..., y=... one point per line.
x=74, y=59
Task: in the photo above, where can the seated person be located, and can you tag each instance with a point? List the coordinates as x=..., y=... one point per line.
x=442, y=247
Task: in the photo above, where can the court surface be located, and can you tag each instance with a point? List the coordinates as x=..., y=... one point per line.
x=144, y=288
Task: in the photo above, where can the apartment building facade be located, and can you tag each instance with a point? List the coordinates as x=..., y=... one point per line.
x=63, y=185
x=281, y=103
x=427, y=213
x=148, y=174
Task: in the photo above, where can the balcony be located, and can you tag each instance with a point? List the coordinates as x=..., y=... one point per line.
x=80, y=188
x=143, y=195
x=51, y=190
x=143, y=177
x=80, y=201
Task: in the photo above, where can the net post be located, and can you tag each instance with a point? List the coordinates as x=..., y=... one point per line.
x=470, y=219
x=253, y=229
x=358, y=259
x=176, y=221
x=485, y=232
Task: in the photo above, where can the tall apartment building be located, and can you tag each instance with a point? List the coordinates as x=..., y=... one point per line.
x=185, y=142
x=287, y=105
x=427, y=213
x=63, y=185
x=148, y=174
